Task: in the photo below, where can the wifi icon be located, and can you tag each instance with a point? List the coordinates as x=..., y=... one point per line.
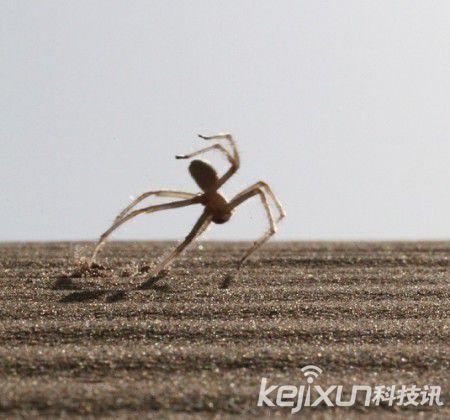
x=311, y=372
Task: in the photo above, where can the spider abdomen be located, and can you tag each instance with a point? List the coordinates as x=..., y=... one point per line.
x=204, y=175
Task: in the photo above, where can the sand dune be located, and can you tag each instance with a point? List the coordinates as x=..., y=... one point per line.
x=366, y=313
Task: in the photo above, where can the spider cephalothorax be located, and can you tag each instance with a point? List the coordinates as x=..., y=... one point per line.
x=216, y=208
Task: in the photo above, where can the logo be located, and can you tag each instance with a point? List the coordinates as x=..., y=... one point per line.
x=310, y=395
x=311, y=372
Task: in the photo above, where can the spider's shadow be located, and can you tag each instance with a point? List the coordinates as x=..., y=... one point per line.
x=228, y=279
x=105, y=295
x=83, y=296
x=65, y=282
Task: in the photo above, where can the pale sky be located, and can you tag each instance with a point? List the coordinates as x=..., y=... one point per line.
x=341, y=106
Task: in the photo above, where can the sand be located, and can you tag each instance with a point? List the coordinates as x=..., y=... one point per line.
x=365, y=313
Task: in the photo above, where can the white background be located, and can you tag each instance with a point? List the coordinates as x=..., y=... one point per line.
x=342, y=106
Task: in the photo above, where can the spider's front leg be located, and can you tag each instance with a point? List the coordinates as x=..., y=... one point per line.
x=150, y=209
x=266, y=189
x=252, y=191
x=157, y=193
x=199, y=227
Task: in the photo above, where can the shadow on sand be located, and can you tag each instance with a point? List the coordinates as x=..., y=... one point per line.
x=108, y=295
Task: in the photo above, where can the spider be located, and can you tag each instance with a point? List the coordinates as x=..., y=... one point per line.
x=216, y=208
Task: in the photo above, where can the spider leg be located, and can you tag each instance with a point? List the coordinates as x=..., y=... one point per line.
x=268, y=190
x=134, y=213
x=207, y=149
x=235, y=162
x=239, y=199
x=224, y=136
x=158, y=193
x=199, y=227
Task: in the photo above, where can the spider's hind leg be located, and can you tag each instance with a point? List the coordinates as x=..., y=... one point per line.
x=233, y=157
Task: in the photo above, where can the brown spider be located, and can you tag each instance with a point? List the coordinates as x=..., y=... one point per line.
x=217, y=208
